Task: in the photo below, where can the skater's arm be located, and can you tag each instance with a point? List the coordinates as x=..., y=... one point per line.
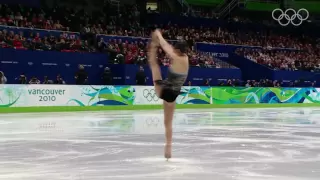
x=166, y=46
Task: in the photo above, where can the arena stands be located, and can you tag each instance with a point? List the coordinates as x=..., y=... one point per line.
x=71, y=43
x=278, y=59
x=121, y=34
x=33, y=39
x=52, y=20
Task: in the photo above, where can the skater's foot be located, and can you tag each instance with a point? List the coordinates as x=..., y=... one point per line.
x=167, y=151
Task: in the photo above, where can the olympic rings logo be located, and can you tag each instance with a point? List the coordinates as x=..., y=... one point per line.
x=291, y=19
x=153, y=121
x=150, y=95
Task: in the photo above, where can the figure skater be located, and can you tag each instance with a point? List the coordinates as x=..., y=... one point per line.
x=168, y=89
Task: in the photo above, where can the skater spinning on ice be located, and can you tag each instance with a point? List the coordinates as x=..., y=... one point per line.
x=168, y=89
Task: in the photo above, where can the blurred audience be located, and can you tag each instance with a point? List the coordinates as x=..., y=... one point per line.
x=135, y=53
x=127, y=23
x=303, y=55
x=63, y=43
x=289, y=60
x=266, y=83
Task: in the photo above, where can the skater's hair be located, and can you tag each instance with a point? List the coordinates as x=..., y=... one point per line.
x=181, y=46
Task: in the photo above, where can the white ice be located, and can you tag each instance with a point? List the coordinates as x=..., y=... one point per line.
x=211, y=144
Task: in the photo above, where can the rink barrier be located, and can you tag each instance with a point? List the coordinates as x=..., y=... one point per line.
x=96, y=96
x=146, y=107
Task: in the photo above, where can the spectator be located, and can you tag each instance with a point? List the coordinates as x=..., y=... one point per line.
x=248, y=84
x=107, y=76
x=47, y=81
x=221, y=83
x=81, y=76
x=59, y=80
x=229, y=82
x=206, y=82
x=34, y=80
x=236, y=82
x=17, y=44
x=253, y=83
x=23, y=79
x=3, y=79
x=142, y=58
x=291, y=84
x=101, y=45
x=129, y=58
x=141, y=78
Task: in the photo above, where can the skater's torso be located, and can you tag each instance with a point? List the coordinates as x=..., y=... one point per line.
x=176, y=80
x=178, y=72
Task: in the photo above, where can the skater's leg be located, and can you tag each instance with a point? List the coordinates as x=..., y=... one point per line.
x=154, y=66
x=168, y=118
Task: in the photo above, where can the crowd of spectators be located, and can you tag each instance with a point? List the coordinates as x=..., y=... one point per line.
x=290, y=60
x=18, y=15
x=303, y=55
x=126, y=23
x=135, y=53
x=129, y=53
x=63, y=43
x=67, y=19
x=250, y=83
x=267, y=83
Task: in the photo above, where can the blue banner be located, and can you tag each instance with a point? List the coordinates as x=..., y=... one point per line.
x=49, y=63
x=197, y=75
x=295, y=75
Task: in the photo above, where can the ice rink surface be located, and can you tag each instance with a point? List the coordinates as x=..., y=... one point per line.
x=211, y=144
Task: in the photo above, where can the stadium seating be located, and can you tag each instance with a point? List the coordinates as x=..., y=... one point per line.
x=68, y=30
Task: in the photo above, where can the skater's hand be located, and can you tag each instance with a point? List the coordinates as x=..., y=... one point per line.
x=158, y=33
